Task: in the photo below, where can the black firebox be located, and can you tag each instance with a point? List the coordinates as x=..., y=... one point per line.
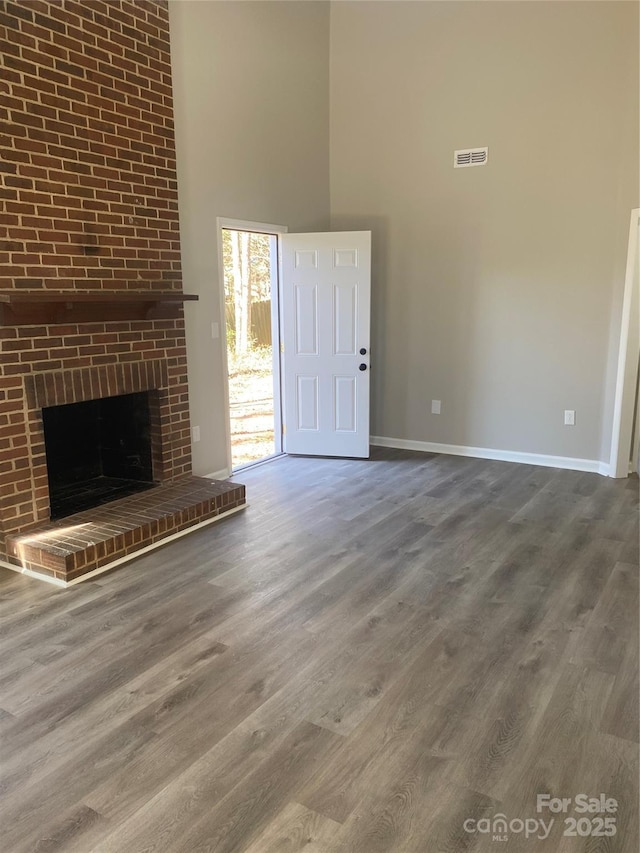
x=97, y=451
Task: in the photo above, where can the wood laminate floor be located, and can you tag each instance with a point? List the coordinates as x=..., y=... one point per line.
x=371, y=657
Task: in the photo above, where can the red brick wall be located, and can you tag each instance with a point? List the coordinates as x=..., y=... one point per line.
x=89, y=201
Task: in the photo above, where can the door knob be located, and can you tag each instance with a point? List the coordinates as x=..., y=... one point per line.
x=363, y=351
x=362, y=367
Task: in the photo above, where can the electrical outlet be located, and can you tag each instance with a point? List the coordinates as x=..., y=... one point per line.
x=436, y=406
x=569, y=417
x=195, y=434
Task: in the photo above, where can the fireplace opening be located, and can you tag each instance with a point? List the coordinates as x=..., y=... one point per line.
x=97, y=451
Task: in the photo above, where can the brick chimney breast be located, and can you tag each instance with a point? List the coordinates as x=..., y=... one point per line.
x=90, y=204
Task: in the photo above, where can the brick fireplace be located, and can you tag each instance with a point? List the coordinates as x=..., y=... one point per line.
x=91, y=282
x=48, y=390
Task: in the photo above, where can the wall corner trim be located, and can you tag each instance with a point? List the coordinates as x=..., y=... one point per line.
x=567, y=462
x=627, y=376
x=222, y=474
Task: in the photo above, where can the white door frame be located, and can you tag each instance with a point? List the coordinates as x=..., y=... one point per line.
x=626, y=381
x=635, y=452
x=223, y=222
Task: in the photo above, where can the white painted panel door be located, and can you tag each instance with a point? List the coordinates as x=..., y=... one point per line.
x=326, y=303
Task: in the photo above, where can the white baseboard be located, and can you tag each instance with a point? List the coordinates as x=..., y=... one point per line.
x=222, y=474
x=567, y=462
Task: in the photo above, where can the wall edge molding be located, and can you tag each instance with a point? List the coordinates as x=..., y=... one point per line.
x=569, y=463
x=222, y=474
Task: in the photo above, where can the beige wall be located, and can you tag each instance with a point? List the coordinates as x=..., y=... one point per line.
x=251, y=93
x=496, y=289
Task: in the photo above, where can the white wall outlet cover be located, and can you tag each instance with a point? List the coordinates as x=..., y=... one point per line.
x=569, y=417
x=436, y=406
x=195, y=433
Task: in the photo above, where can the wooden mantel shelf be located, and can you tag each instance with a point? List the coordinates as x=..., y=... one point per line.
x=21, y=308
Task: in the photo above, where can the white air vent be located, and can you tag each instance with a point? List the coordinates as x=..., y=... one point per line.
x=470, y=157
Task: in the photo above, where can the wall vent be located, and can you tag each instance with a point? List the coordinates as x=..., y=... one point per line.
x=470, y=157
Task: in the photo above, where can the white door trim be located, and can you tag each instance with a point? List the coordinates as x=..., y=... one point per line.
x=257, y=228
x=626, y=380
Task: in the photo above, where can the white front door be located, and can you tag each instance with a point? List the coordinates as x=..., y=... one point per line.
x=326, y=298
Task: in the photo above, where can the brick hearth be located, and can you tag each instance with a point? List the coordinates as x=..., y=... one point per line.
x=89, y=207
x=90, y=540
